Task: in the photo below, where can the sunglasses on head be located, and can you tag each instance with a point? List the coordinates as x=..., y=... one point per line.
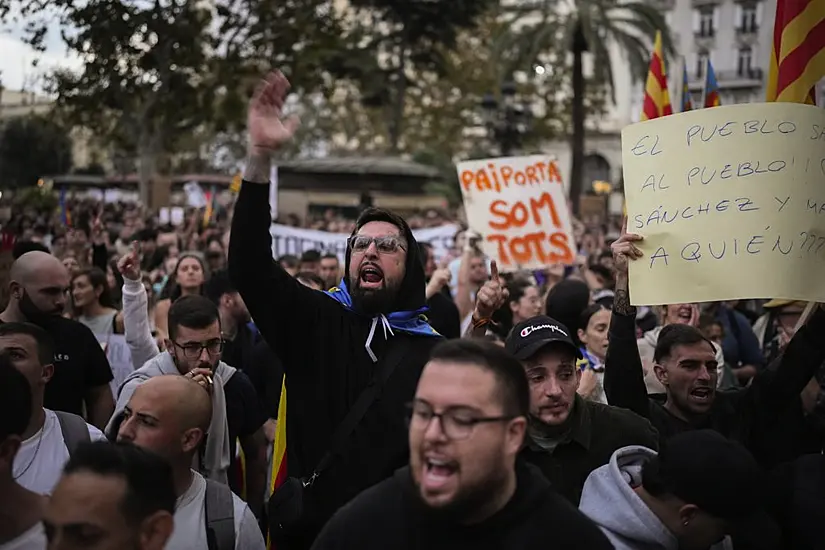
x=384, y=245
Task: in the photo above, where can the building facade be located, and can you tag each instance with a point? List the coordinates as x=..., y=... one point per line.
x=735, y=35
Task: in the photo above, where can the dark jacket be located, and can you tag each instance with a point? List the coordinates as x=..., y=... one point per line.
x=596, y=432
x=391, y=515
x=322, y=347
x=740, y=414
x=798, y=502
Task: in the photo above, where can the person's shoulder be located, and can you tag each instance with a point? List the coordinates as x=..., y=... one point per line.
x=572, y=524
x=247, y=532
x=69, y=329
x=95, y=434
x=378, y=505
x=624, y=423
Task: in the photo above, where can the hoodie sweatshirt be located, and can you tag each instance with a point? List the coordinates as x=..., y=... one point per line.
x=609, y=500
x=327, y=350
x=392, y=515
x=216, y=456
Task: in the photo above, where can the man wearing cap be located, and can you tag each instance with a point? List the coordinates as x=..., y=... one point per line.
x=569, y=437
x=698, y=489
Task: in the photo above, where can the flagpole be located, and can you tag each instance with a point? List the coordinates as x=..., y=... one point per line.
x=705, y=83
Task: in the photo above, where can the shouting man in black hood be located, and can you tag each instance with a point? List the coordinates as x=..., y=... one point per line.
x=352, y=356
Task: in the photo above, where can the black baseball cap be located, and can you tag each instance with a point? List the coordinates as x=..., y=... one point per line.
x=720, y=476
x=531, y=335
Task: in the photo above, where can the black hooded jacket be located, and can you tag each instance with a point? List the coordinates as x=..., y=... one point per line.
x=392, y=515
x=322, y=346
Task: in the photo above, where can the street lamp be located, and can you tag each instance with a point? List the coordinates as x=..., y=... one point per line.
x=506, y=121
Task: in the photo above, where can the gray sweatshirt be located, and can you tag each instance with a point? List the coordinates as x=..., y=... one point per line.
x=217, y=453
x=609, y=500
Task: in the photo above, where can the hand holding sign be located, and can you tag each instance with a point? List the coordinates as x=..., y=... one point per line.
x=624, y=249
x=491, y=296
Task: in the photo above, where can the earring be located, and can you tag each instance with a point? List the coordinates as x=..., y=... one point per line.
x=686, y=523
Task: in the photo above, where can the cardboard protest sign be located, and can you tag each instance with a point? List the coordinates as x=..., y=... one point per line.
x=518, y=206
x=731, y=202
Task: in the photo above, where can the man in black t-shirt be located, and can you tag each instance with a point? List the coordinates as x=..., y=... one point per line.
x=38, y=287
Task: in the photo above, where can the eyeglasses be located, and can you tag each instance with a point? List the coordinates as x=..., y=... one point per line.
x=384, y=245
x=455, y=424
x=193, y=350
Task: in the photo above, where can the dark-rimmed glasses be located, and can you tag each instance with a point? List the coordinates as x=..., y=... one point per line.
x=384, y=245
x=193, y=350
x=455, y=423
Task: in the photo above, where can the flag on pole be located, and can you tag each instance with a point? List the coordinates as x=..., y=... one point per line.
x=657, y=99
x=687, y=103
x=711, y=87
x=65, y=213
x=278, y=474
x=798, y=56
x=210, y=206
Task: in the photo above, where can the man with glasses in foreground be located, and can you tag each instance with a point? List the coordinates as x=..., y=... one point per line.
x=194, y=351
x=464, y=487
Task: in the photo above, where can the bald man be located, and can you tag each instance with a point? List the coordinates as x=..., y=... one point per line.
x=38, y=288
x=169, y=415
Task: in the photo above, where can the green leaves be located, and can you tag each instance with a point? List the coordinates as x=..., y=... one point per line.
x=31, y=147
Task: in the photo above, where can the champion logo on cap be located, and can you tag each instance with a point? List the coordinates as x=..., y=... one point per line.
x=526, y=331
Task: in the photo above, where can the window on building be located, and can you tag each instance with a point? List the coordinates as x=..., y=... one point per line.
x=743, y=66
x=701, y=62
x=748, y=20
x=706, y=21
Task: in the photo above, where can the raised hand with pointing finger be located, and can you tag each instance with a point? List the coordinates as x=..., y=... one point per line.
x=129, y=265
x=491, y=296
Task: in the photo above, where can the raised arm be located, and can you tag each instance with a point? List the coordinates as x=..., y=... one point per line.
x=804, y=355
x=624, y=383
x=283, y=309
x=136, y=310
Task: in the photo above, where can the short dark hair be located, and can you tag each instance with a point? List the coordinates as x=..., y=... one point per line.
x=678, y=335
x=311, y=256
x=146, y=234
x=311, y=277
x=150, y=487
x=512, y=382
x=330, y=256
x=288, y=260
x=22, y=247
x=43, y=340
x=192, y=311
x=218, y=285
x=15, y=399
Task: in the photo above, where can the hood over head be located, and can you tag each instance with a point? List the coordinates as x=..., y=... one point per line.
x=410, y=296
x=609, y=500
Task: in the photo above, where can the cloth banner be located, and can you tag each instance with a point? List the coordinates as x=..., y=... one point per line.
x=295, y=241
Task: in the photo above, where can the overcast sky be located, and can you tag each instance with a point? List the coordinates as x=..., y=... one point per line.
x=16, y=58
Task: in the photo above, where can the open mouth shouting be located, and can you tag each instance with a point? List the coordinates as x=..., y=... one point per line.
x=439, y=472
x=702, y=395
x=370, y=276
x=684, y=314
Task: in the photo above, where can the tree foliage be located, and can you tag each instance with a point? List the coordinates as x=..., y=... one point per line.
x=32, y=147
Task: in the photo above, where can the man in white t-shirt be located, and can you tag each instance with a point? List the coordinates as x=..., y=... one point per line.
x=170, y=415
x=49, y=435
x=20, y=509
x=112, y=497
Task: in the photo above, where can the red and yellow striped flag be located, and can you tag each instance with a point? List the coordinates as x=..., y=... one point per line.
x=798, y=57
x=278, y=474
x=657, y=98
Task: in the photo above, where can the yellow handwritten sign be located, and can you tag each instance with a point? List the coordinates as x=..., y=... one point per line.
x=518, y=206
x=731, y=202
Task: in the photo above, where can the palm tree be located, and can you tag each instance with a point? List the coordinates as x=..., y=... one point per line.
x=593, y=25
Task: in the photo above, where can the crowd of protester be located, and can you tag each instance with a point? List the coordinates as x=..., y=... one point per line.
x=392, y=400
